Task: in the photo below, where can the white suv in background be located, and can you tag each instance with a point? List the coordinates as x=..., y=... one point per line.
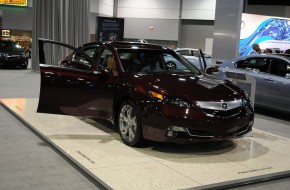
x=192, y=55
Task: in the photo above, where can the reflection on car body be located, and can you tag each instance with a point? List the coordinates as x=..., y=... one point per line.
x=272, y=74
x=131, y=85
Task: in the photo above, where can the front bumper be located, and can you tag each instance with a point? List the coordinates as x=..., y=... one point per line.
x=196, y=126
x=14, y=62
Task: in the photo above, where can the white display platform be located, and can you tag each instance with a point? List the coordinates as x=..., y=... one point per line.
x=99, y=151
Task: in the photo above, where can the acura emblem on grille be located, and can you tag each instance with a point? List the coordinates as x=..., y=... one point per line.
x=224, y=106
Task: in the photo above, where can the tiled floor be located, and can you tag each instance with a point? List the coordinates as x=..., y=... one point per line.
x=99, y=151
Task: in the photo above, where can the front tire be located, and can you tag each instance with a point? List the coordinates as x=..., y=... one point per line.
x=130, y=125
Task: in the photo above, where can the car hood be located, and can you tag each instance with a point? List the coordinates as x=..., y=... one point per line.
x=189, y=86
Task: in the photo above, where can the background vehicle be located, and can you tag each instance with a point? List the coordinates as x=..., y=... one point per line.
x=132, y=86
x=12, y=55
x=193, y=55
x=272, y=74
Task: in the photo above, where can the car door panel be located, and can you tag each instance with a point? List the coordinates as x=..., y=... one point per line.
x=278, y=93
x=78, y=92
x=74, y=92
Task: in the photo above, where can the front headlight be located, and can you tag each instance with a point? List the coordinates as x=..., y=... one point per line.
x=248, y=103
x=170, y=100
x=177, y=102
x=23, y=55
x=3, y=55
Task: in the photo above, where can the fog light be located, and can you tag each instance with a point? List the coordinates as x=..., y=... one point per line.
x=170, y=133
x=177, y=129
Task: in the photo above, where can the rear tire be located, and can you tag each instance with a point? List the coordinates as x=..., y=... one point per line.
x=129, y=124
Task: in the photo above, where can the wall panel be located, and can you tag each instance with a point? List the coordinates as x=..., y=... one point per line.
x=103, y=7
x=17, y=18
x=195, y=33
x=198, y=9
x=156, y=9
x=164, y=29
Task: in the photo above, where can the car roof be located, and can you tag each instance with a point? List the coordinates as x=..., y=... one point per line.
x=268, y=55
x=136, y=45
x=90, y=44
x=185, y=49
x=126, y=45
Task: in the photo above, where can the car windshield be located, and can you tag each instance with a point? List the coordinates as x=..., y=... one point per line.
x=148, y=61
x=10, y=46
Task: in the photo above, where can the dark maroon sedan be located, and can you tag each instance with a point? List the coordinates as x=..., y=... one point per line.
x=132, y=86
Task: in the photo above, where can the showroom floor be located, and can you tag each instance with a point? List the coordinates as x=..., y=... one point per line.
x=28, y=163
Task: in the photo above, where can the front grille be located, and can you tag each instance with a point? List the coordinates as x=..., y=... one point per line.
x=221, y=109
x=13, y=57
x=222, y=113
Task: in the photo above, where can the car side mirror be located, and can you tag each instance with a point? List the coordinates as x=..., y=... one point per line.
x=287, y=76
x=214, y=70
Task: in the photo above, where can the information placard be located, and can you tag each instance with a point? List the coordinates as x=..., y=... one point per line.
x=110, y=29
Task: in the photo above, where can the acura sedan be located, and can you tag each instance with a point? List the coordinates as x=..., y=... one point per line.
x=272, y=74
x=131, y=85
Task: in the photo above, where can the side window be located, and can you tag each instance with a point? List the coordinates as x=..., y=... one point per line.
x=152, y=62
x=132, y=62
x=259, y=64
x=195, y=53
x=107, y=60
x=104, y=57
x=173, y=63
x=184, y=52
x=278, y=67
x=80, y=61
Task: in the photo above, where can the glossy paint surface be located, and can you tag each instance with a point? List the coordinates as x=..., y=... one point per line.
x=98, y=92
x=271, y=72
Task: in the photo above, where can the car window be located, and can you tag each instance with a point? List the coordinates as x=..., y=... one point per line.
x=278, y=67
x=104, y=57
x=10, y=46
x=147, y=61
x=259, y=64
x=184, y=52
x=131, y=61
x=195, y=53
x=173, y=62
x=81, y=61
